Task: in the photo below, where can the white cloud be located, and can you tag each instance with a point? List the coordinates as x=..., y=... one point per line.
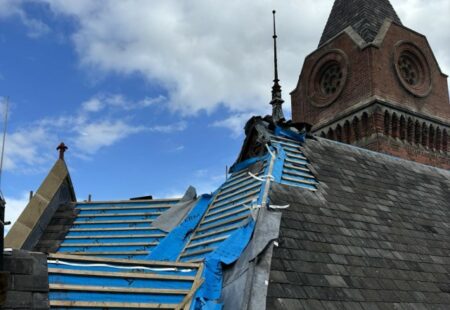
x=120, y=102
x=211, y=53
x=29, y=148
x=194, y=49
x=95, y=136
x=93, y=105
x=14, y=207
x=235, y=123
x=35, y=27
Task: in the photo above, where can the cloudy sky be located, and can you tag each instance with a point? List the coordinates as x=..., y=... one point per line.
x=151, y=96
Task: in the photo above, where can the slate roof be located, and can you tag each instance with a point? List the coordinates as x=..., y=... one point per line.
x=375, y=235
x=364, y=16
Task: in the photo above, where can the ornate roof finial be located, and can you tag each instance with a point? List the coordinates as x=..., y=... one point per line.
x=61, y=148
x=277, y=101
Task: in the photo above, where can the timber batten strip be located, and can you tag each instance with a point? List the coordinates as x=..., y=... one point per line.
x=221, y=217
x=108, y=253
x=115, y=289
x=223, y=223
x=108, y=304
x=193, y=245
x=112, y=222
x=115, y=236
x=118, y=244
x=124, y=261
x=113, y=229
x=125, y=208
x=134, y=275
x=118, y=214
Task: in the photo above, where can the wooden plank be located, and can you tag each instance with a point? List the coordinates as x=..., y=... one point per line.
x=236, y=219
x=197, y=283
x=113, y=229
x=108, y=253
x=244, y=189
x=298, y=181
x=115, y=289
x=107, y=305
x=192, y=245
x=248, y=181
x=151, y=201
x=132, y=275
x=215, y=232
x=125, y=208
x=249, y=200
x=297, y=167
x=193, y=253
x=299, y=173
x=116, y=236
x=119, y=214
x=210, y=220
x=224, y=210
x=252, y=193
x=113, y=222
x=123, y=261
x=293, y=155
x=118, y=244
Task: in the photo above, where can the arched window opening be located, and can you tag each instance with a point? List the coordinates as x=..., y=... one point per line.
x=402, y=128
x=417, y=132
x=431, y=137
x=444, y=141
x=347, y=132
x=365, y=125
x=339, y=133
x=424, y=135
x=356, y=129
x=330, y=134
x=394, y=126
x=438, y=142
x=410, y=131
x=387, y=123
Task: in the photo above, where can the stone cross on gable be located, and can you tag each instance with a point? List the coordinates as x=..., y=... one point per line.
x=61, y=148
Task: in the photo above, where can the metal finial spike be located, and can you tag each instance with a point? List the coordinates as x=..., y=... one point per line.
x=275, y=59
x=277, y=101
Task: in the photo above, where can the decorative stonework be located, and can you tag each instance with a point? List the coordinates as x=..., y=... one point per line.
x=328, y=78
x=412, y=68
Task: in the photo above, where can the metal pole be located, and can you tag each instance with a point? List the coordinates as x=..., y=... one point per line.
x=2, y=230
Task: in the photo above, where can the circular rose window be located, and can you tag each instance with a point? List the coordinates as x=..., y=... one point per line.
x=412, y=69
x=328, y=78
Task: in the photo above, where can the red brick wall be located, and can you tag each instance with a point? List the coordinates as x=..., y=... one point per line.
x=371, y=72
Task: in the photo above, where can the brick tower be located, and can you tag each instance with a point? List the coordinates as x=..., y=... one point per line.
x=376, y=84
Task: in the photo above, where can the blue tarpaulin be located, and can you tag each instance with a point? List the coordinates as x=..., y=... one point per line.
x=246, y=163
x=300, y=137
x=228, y=252
x=171, y=246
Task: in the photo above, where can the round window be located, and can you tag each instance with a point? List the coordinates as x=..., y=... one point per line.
x=327, y=79
x=412, y=69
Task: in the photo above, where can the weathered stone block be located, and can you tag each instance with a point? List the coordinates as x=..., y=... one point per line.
x=30, y=283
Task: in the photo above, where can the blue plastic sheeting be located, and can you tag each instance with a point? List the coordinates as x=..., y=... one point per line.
x=228, y=252
x=171, y=246
x=246, y=163
x=277, y=170
x=290, y=134
x=116, y=297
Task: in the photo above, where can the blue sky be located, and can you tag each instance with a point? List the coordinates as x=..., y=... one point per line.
x=151, y=96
